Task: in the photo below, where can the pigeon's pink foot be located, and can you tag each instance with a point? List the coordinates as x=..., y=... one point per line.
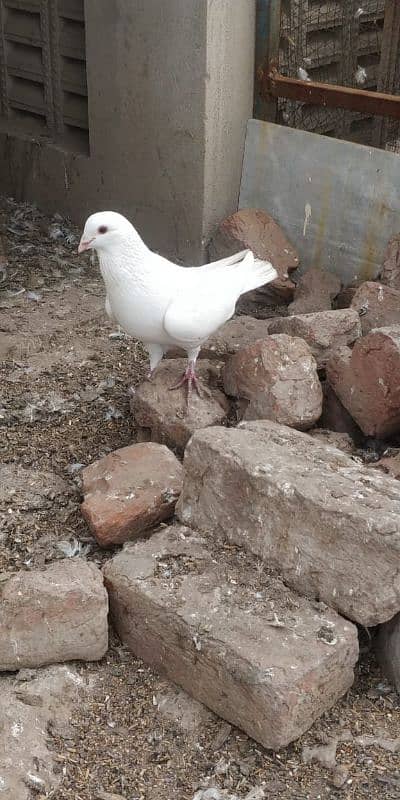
x=190, y=378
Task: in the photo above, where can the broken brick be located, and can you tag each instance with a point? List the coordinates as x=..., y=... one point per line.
x=129, y=491
x=271, y=669
x=365, y=380
x=323, y=331
x=276, y=378
x=329, y=523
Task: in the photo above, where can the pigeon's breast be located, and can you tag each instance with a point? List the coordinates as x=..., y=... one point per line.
x=140, y=313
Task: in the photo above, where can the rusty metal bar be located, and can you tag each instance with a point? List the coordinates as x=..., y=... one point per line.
x=329, y=95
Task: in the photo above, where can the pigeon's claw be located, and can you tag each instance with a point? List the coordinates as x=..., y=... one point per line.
x=190, y=378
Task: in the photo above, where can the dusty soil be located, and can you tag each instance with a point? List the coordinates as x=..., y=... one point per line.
x=64, y=403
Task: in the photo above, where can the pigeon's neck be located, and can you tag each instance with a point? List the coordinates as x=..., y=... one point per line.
x=126, y=261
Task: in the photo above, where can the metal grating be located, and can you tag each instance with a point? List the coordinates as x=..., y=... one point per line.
x=342, y=42
x=43, y=71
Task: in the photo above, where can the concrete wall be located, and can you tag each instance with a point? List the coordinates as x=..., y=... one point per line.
x=170, y=88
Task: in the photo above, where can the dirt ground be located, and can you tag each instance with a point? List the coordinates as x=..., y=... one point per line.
x=63, y=404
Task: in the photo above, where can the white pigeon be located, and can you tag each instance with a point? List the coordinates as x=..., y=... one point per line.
x=162, y=304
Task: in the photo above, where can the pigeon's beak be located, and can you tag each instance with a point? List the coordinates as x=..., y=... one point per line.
x=85, y=245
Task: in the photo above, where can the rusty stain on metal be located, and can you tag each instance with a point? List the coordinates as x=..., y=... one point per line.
x=370, y=250
x=369, y=253
x=320, y=233
x=329, y=95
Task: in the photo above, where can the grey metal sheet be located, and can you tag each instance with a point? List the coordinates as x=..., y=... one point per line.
x=338, y=202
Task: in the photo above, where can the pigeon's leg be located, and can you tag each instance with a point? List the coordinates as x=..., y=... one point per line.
x=156, y=353
x=189, y=376
x=118, y=334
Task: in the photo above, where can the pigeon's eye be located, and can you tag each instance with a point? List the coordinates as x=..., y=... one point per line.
x=102, y=229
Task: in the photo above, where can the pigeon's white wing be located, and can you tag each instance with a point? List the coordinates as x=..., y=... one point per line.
x=193, y=316
x=208, y=297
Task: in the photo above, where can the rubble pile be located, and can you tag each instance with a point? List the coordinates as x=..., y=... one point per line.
x=259, y=527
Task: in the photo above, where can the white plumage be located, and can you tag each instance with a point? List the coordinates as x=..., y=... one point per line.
x=162, y=304
x=303, y=74
x=360, y=75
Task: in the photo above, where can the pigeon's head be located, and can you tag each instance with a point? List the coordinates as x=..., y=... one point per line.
x=105, y=230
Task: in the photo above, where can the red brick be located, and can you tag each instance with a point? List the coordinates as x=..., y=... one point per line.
x=366, y=381
x=255, y=230
x=277, y=379
x=380, y=306
x=55, y=614
x=323, y=331
x=329, y=523
x=244, y=644
x=130, y=491
x=164, y=416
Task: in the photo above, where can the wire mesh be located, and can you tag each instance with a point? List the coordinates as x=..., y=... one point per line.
x=339, y=42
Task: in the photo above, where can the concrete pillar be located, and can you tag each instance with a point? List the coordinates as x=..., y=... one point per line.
x=229, y=104
x=170, y=88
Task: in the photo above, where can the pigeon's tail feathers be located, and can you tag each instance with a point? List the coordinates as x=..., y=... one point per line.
x=258, y=273
x=236, y=258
